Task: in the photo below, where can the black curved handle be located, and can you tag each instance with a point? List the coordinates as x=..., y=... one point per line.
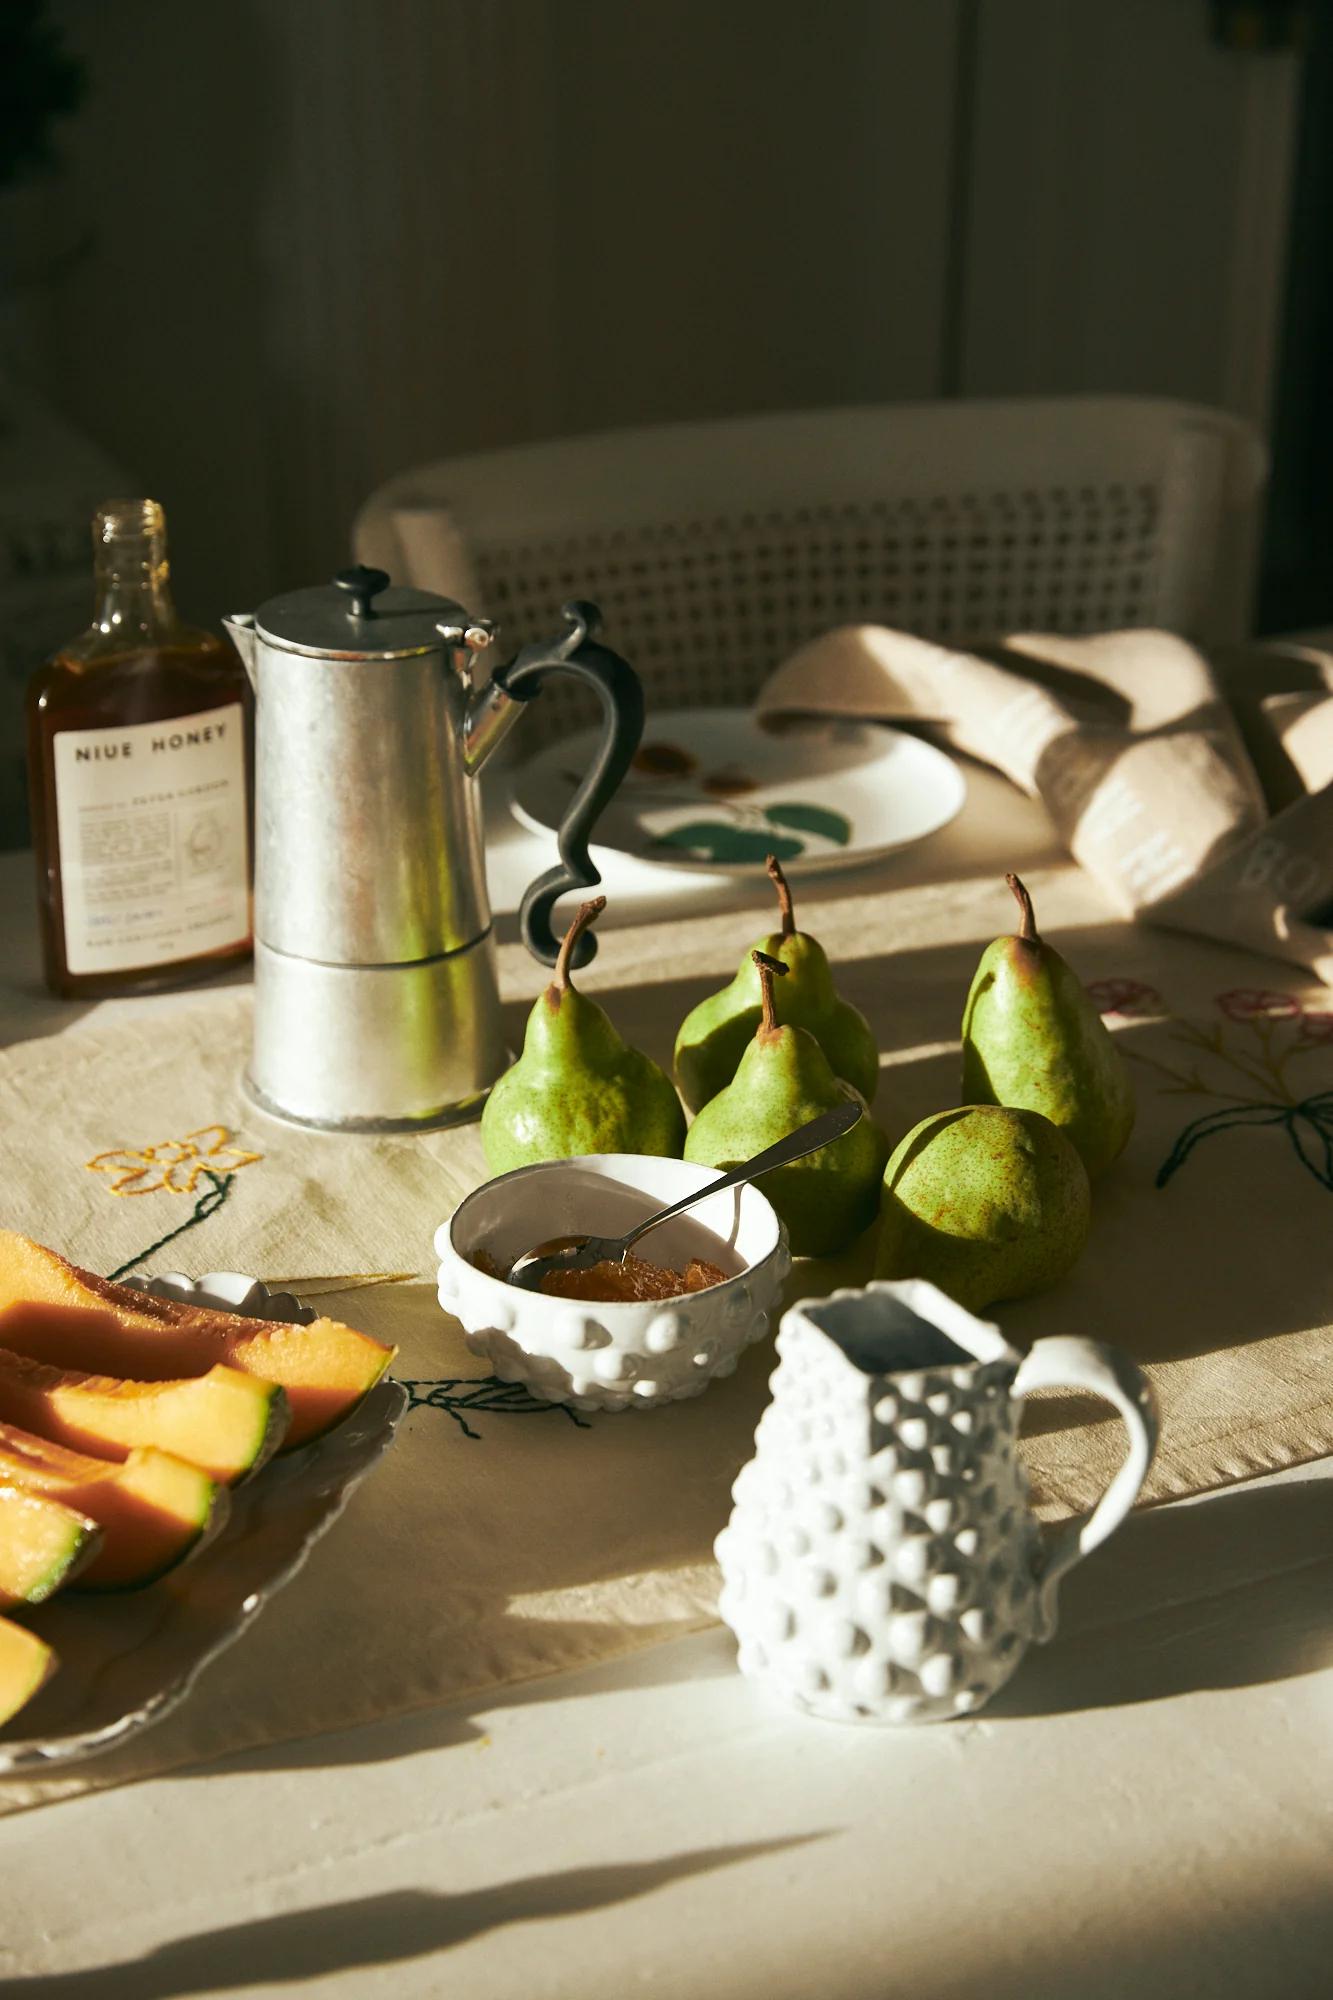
x=621, y=694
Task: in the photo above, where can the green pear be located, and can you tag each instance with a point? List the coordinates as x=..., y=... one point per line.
x=988, y=1202
x=1033, y=1039
x=715, y=1035
x=578, y=1087
x=783, y=1080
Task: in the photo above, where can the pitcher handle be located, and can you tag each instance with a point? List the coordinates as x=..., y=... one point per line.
x=1065, y=1362
x=621, y=694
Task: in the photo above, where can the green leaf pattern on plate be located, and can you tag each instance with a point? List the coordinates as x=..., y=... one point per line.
x=742, y=840
x=714, y=840
x=811, y=819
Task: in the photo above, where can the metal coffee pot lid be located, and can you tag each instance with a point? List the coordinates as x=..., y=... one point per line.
x=361, y=616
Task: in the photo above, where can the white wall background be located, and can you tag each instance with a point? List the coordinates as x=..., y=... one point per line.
x=330, y=239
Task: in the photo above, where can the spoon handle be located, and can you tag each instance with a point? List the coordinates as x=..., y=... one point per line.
x=821, y=1131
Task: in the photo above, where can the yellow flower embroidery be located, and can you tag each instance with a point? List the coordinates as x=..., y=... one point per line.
x=173, y=1165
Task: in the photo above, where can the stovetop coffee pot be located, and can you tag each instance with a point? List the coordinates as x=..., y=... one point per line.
x=376, y=1003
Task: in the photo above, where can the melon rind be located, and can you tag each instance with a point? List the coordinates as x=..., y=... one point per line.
x=54, y=1312
x=43, y=1544
x=26, y=1664
x=225, y=1421
x=153, y=1508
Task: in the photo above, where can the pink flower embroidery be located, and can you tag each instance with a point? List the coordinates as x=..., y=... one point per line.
x=1317, y=1025
x=1122, y=996
x=1256, y=1003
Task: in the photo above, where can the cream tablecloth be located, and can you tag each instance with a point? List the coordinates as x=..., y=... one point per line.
x=765, y=1846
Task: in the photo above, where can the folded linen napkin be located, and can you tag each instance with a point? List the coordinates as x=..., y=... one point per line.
x=1197, y=790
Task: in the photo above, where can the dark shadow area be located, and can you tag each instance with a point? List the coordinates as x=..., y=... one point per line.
x=374, y=1930
x=1295, y=586
x=1250, y=677
x=1060, y=1410
x=1232, y=1591
x=28, y=1013
x=1091, y=700
x=897, y=1339
x=1248, y=1949
x=1227, y=1936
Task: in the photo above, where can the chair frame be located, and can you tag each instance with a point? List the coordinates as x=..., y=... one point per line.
x=955, y=519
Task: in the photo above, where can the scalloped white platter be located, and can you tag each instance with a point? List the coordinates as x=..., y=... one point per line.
x=711, y=789
x=128, y=1658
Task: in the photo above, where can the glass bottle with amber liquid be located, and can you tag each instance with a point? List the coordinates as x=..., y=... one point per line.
x=139, y=765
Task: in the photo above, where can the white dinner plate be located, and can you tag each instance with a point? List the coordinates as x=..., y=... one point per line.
x=712, y=788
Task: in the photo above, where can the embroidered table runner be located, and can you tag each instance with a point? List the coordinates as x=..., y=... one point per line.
x=502, y=1539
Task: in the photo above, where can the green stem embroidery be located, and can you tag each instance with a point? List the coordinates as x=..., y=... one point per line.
x=480, y=1394
x=1308, y=1125
x=1275, y=1064
x=208, y=1204
x=1263, y=1073
x=1190, y=1085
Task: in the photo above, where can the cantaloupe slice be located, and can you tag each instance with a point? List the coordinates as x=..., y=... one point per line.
x=153, y=1510
x=26, y=1664
x=53, y=1312
x=42, y=1545
x=227, y=1422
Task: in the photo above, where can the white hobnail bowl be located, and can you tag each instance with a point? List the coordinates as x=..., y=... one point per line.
x=612, y=1357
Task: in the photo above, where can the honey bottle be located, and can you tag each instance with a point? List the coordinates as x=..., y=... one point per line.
x=139, y=766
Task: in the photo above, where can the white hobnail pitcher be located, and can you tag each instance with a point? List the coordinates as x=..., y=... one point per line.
x=881, y=1564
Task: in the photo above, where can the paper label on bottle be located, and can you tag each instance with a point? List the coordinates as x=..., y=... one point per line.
x=154, y=860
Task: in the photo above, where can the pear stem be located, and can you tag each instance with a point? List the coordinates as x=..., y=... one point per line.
x=769, y=970
x=1027, y=925
x=779, y=881
x=586, y=914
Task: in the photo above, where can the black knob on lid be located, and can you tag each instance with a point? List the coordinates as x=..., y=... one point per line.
x=362, y=584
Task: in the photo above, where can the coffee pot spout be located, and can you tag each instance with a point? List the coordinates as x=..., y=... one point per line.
x=242, y=630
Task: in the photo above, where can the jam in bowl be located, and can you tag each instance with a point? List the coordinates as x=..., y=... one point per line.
x=622, y=1353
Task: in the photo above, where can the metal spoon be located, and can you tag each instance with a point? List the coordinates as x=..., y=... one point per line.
x=529, y=1269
